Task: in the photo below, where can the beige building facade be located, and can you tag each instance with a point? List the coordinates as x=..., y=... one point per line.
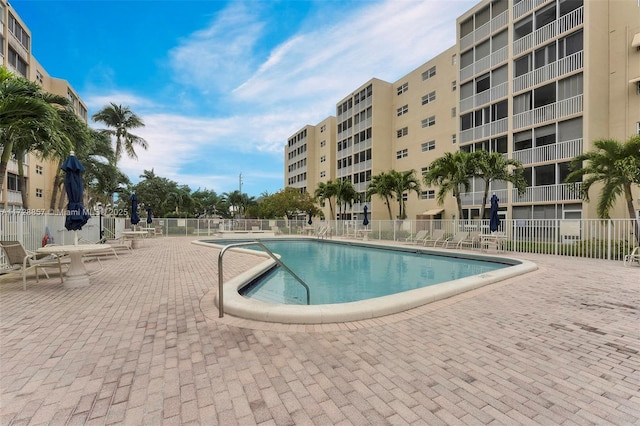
x=15, y=51
x=535, y=80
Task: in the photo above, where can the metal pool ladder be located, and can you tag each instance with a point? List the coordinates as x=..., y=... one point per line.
x=269, y=252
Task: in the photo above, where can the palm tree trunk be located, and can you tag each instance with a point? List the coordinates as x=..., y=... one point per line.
x=56, y=186
x=389, y=207
x=632, y=212
x=4, y=161
x=23, y=180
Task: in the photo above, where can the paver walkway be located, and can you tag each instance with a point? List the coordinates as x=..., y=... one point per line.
x=143, y=345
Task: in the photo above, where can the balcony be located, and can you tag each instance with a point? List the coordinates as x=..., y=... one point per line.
x=553, y=152
x=525, y=6
x=548, y=112
x=483, y=64
x=484, y=131
x=559, y=192
x=543, y=74
x=494, y=93
x=475, y=198
x=552, y=29
x=484, y=30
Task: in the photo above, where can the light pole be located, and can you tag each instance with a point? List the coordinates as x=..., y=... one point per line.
x=100, y=220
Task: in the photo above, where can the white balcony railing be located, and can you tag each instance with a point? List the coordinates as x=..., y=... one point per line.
x=525, y=6
x=475, y=198
x=548, y=112
x=548, y=72
x=552, y=29
x=559, y=192
x=494, y=93
x=552, y=152
x=484, y=30
x=485, y=63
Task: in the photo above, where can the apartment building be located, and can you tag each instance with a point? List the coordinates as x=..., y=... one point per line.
x=539, y=81
x=15, y=51
x=535, y=80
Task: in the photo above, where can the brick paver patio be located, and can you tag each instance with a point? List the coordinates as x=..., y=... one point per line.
x=143, y=345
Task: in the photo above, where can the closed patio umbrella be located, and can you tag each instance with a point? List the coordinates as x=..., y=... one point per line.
x=310, y=222
x=135, y=217
x=365, y=222
x=149, y=216
x=494, y=220
x=77, y=216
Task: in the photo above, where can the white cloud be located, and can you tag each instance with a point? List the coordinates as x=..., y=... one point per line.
x=298, y=84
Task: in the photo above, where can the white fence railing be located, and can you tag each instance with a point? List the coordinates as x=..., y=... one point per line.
x=590, y=238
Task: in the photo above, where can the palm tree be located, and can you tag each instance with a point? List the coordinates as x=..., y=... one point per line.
x=493, y=166
x=616, y=165
x=452, y=172
x=326, y=191
x=27, y=115
x=382, y=185
x=345, y=194
x=121, y=119
x=404, y=182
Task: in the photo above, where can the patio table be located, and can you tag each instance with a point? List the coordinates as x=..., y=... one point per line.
x=77, y=275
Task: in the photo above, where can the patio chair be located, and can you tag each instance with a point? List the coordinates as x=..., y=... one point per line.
x=455, y=240
x=633, y=257
x=472, y=240
x=157, y=231
x=23, y=260
x=419, y=236
x=437, y=236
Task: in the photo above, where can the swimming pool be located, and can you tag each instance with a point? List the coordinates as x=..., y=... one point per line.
x=411, y=267
x=341, y=273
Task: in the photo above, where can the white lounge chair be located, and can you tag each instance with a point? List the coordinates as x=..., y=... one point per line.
x=633, y=257
x=437, y=236
x=418, y=237
x=455, y=241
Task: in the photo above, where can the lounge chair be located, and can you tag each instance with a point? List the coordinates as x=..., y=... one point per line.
x=472, y=240
x=437, y=236
x=455, y=241
x=100, y=253
x=633, y=257
x=20, y=259
x=418, y=237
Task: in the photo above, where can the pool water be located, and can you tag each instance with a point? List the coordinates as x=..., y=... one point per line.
x=341, y=273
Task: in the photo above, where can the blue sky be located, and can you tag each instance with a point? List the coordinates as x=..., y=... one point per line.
x=222, y=85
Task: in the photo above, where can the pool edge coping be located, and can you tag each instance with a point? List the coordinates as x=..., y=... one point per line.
x=241, y=307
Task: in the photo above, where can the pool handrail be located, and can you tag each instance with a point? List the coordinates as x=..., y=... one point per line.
x=269, y=252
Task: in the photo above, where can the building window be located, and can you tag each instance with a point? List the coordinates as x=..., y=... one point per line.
x=405, y=197
x=402, y=132
x=402, y=154
x=39, y=77
x=403, y=88
x=323, y=174
x=428, y=195
x=403, y=110
x=323, y=158
x=13, y=182
x=424, y=170
x=16, y=61
x=454, y=59
x=39, y=170
x=454, y=86
x=38, y=193
x=454, y=138
x=322, y=143
x=429, y=73
x=429, y=98
x=428, y=122
x=453, y=111
x=323, y=128
x=638, y=127
x=428, y=146
x=20, y=33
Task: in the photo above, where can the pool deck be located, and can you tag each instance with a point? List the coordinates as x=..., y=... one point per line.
x=143, y=345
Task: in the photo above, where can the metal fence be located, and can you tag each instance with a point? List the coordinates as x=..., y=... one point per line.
x=590, y=238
